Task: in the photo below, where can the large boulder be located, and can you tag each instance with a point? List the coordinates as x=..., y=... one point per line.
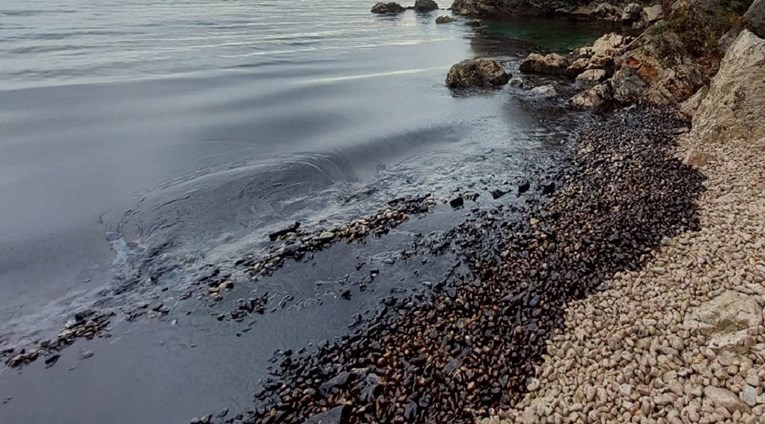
x=735, y=104
x=445, y=19
x=479, y=72
x=390, y=8
x=425, y=5
x=657, y=68
x=550, y=64
x=755, y=18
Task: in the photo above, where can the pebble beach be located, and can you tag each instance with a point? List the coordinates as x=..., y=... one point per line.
x=680, y=341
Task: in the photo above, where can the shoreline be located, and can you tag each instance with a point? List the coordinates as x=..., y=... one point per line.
x=459, y=356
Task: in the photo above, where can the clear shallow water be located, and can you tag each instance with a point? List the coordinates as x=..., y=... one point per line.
x=141, y=140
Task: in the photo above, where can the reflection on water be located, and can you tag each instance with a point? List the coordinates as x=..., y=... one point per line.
x=562, y=35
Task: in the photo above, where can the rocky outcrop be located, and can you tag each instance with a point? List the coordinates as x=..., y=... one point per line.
x=425, y=6
x=657, y=68
x=479, y=72
x=735, y=104
x=391, y=8
x=755, y=18
x=551, y=64
x=445, y=19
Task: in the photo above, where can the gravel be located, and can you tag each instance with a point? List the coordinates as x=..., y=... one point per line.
x=680, y=340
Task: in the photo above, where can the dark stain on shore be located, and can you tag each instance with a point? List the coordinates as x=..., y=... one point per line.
x=472, y=349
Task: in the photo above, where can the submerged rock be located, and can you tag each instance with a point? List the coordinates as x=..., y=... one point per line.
x=445, y=19
x=390, y=8
x=551, y=64
x=425, y=5
x=479, y=72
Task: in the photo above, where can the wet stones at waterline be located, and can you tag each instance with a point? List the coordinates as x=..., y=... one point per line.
x=86, y=324
x=390, y=8
x=469, y=349
x=298, y=243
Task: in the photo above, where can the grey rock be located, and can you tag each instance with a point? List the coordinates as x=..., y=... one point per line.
x=749, y=395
